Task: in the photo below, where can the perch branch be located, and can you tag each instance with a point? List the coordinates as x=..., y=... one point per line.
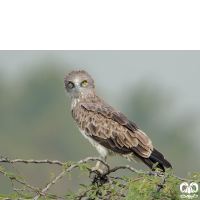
x=105, y=176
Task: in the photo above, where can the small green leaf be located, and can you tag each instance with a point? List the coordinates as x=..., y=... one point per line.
x=154, y=165
x=10, y=175
x=52, y=197
x=196, y=173
x=70, y=191
x=52, y=176
x=83, y=185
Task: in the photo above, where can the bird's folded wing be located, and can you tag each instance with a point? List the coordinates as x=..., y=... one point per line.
x=111, y=113
x=114, y=130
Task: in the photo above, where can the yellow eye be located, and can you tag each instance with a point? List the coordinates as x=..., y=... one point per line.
x=71, y=84
x=84, y=82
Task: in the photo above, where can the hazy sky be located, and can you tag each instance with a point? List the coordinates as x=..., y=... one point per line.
x=116, y=73
x=177, y=72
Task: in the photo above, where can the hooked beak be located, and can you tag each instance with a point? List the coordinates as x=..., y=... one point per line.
x=77, y=91
x=77, y=86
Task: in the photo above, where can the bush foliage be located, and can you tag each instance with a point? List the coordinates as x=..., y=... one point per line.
x=104, y=185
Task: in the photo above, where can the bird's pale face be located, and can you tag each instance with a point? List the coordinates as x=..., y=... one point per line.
x=78, y=83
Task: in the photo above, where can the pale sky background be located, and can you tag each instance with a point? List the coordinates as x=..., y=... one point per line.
x=177, y=73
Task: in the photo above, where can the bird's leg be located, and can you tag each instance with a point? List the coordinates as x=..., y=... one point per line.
x=96, y=166
x=104, y=167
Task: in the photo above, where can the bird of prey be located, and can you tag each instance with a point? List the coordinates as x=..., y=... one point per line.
x=106, y=128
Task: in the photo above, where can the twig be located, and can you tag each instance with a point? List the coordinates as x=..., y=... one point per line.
x=69, y=169
x=133, y=170
x=19, y=181
x=31, y=161
x=183, y=179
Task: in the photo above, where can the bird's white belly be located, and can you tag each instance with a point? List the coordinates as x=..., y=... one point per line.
x=101, y=149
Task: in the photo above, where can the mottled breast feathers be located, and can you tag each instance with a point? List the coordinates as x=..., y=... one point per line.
x=111, y=129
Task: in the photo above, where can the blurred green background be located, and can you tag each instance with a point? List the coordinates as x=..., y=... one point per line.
x=158, y=90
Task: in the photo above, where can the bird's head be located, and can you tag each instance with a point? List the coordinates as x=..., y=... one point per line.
x=78, y=84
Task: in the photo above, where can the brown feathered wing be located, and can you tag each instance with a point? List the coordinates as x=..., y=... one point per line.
x=115, y=131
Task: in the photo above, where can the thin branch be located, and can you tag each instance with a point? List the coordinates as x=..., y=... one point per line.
x=133, y=170
x=183, y=179
x=52, y=161
x=69, y=169
x=31, y=161
x=19, y=181
x=12, y=182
